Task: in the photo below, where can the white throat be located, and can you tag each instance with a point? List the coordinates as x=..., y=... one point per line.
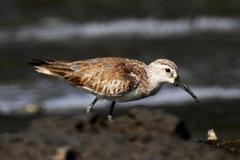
x=153, y=80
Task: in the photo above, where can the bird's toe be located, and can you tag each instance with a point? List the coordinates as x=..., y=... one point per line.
x=110, y=119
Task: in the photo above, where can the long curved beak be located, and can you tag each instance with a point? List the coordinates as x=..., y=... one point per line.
x=180, y=83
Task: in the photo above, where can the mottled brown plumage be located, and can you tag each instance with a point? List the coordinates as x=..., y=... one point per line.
x=102, y=76
x=107, y=76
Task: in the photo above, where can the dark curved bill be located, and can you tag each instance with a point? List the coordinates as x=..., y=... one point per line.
x=180, y=83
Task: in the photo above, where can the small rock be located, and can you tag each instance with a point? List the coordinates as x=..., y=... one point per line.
x=212, y=135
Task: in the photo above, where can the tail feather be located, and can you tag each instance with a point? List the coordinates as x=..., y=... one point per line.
x=40, y=62
x=51, y=67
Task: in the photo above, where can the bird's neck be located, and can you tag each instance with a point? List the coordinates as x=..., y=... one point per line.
x=153, y=82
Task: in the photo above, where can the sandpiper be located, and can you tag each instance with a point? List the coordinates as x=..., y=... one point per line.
x=114, y=79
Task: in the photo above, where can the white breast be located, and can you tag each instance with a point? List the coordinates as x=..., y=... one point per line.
x=130, y=96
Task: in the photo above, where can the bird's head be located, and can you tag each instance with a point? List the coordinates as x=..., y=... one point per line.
x=165, y=71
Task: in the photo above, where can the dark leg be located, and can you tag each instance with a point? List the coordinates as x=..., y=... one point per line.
x=111, y=111
x=90, y=107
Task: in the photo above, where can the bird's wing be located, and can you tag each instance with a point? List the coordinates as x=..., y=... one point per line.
x=109, y=77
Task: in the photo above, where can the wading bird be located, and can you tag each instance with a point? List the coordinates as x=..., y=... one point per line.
x=114, y=79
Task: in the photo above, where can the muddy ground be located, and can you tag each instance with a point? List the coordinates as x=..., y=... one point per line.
x=141, y=134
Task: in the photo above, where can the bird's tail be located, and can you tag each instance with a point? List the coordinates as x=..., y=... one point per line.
x=52, y=67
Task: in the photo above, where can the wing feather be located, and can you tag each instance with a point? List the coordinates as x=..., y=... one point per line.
x=105, y=76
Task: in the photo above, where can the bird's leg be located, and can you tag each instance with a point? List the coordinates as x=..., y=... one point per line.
x=90, y=106
x=111, y=111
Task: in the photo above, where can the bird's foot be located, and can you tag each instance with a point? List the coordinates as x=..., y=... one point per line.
x=110, y=119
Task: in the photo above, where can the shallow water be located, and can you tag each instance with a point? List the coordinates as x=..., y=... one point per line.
x=201, y=47
x=57, y=98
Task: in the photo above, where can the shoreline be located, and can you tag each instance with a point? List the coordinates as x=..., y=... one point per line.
x=222, y=115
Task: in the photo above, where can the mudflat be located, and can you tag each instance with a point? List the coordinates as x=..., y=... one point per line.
x=140, y=134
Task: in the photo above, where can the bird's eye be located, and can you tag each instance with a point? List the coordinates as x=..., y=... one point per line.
x=167, y=70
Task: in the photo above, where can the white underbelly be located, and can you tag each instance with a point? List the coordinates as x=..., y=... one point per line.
x=130, y=96
x=134, y=95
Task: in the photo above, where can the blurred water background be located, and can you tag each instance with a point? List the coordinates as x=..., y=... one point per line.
x=202, y=37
